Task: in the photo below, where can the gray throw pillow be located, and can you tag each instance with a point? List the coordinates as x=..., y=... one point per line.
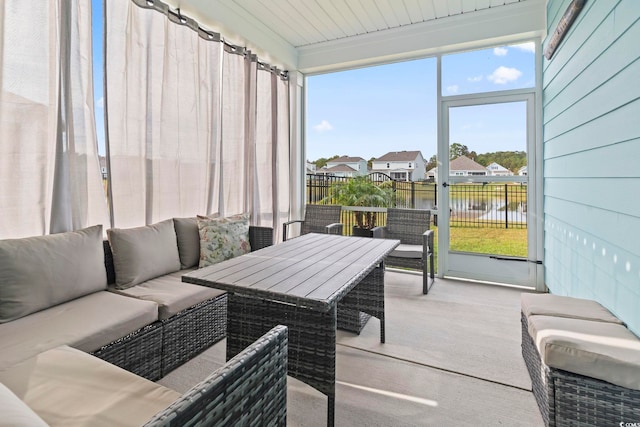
x=188, y=241
x=39, y=272
x=143, y=253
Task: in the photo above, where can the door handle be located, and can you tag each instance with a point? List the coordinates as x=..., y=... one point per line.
x=444, y=184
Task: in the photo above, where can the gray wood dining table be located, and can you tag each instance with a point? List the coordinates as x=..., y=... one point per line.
x=299, y=283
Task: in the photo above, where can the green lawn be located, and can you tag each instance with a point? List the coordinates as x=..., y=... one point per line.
x=499, y=241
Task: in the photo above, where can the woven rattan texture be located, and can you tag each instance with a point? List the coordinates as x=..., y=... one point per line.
x=312, y=340
x=190, y=332
x=318, y=219
x=568, y=399
x=260, y=237
x=352, y=320
x=409, y=226
x=251, y=389
x=139, y=352
x=362, y=302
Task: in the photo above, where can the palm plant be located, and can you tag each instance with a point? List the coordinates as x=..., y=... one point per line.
x=361, y=191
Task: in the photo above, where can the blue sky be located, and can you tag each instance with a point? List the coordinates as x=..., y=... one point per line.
x=98, y=73
x=370, y=111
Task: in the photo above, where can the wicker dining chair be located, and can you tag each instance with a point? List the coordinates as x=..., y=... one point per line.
x=411, y=227
x=317, y=219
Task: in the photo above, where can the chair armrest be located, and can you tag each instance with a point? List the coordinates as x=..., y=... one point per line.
x=258, y=374
x=427, y=241
x=379, y=232
x=285, y=228
x=260, y=237
x=335, y=228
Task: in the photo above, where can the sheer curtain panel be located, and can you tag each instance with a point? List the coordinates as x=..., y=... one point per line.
x=271, y=173
x=195, y=125
x=163, y=91
x=49, y=171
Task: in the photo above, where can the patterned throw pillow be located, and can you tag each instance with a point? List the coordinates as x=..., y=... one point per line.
x=223, y=238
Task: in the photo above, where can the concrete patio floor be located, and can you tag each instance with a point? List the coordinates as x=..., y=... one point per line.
x=450, y=358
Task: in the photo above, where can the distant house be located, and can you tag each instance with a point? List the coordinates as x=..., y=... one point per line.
x=497, y=169
x=103, y=166
x=522, y=171
x=464, y=166
x=357, y=165
x=340, y=170
x=311, y=167
x=401, y=165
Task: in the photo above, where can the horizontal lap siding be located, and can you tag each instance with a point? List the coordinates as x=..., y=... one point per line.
x=591, y=119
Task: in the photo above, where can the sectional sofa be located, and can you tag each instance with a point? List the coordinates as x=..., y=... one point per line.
x=119, y=300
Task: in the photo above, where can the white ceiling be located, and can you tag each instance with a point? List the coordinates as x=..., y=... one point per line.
x=324, y=35
x=308, y=22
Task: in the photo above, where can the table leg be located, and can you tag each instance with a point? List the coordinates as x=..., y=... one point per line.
x=368, y=297
x=312, y=339
x=331, y=409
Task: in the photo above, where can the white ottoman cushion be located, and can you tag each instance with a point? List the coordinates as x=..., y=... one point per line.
x=562, y=306
x=602, y=350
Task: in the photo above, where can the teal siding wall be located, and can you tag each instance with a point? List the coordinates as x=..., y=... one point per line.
x=591, y=116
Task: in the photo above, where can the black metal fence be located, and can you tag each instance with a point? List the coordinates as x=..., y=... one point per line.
x=489, y=205
x=413, y=195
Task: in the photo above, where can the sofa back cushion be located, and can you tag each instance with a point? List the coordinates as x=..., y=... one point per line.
x=188, y=241
x=143, y=253
x=39, y=272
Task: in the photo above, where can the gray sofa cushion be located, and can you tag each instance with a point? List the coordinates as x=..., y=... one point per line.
x=85, y=323
x=171, y=295
x=143, y=253
x=188, y=241
x=15, y=412
x=67, y=387
x=40, y=272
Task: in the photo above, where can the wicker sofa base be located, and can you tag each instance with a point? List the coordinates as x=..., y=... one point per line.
x=190, y=332
x=568, y=399
x=139, y=352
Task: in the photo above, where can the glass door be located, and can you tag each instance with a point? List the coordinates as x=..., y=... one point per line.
x=488, y=233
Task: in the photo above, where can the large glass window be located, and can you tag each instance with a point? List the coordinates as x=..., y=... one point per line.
x=489, y=70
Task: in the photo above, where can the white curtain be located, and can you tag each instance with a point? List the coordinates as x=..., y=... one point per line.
x=190, y=119
x=163, y=90
x=272, y=167
x=49, y=172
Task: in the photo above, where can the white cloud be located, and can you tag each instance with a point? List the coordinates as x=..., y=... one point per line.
x=527, y=47
x=100, y=103
x=452, y=89
x=474, y=79
x=503, y=75
x=323, y=126
x=500, y=51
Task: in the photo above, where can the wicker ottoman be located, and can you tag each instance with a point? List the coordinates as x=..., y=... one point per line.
x=583, y=372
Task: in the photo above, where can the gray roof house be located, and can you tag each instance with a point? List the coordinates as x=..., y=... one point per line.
x=401, y=165
x=341, y=170
x=464, y=166
x=497, y=169
x=355, y=165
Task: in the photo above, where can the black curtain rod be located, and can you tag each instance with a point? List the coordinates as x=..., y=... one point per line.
x=177, y=17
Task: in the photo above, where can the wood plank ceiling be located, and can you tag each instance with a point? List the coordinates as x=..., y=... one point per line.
x=308, y=22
